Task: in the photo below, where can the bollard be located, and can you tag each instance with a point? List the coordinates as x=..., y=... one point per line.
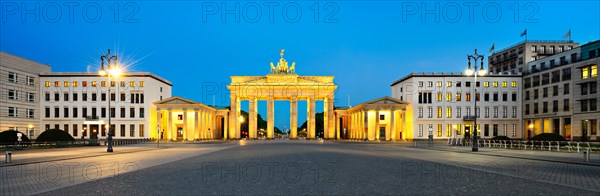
x=415, y=143
x=577, y=146
x=8, y=156
x=586, y=156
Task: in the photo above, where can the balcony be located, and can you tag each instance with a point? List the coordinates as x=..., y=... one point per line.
x=92, y=118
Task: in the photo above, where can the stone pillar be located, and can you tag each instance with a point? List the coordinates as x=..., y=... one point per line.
x=186, y=135
x=226, y=126
x=364, y=115
x=196, y=130
x=376, y=131
x=330, y=123
x=393, y=128
x=252, y=118
x=233, y=117
x=326, y=118
x=170, y=126
x=561, y=129
x=353, y=126
x=541, y=126
x=294, y=118
x=270, y=117
x=311, y=118
x=338, y=123
x=158, y=124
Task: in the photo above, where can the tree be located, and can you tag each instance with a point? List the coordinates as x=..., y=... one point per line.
x=54, y=135
x=318, y=124
x=10, y=137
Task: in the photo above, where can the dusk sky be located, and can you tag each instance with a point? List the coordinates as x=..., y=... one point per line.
x=365, y=45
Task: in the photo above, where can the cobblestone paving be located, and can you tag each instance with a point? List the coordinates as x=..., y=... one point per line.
x=313, y=168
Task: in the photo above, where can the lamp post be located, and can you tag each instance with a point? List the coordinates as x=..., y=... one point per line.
x=158, y=136
x=470, y=71
x=114, y=70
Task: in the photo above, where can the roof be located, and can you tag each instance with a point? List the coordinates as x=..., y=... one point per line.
x=381, y=100
x=451, y=74
x=181, y=100
x=93, y=74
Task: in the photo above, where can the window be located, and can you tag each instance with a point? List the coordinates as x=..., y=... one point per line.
x=555, y=90
x=555, y=106
x=486, y=130
x=13, y=112
x=526, y=108
x=438, y=84
x=131, y=84
x=566, y=74
x=66, y=96
x=75, y=114
x=545, y=92
x=495, y=97
x=122, y=97
x=103, y=97
x=141, y=132
x=439, y=130
x=513, y=84
x=56, y=84
x=66, y=83
x=514, y=130
x=56, y=97
x=495, y=130
x=47, y=84
x=504, y=112
x=75, y=96
x=30, y=81
x=486, y=112
x=593, y=87
x=448, y=96
x=495, y=84
x=122, y=112
x=565, y=105
x=439, y=112
x=131, y=130
x=514, y=112
x=504, y=130
x=12, y=77
x=495, y=112
x=504, y=84
x=84, y=96
x=47, y=112
x=84, y=83
x=420, y=130
x=113, y=112
x=449, y=130
x=593, y=71
x=535, y=108
x=103, y=112
x=420, y=112
x=103, y=83
x=467, y=84
x=584, y=107
x=66, y=112
x=458, y=112
x=30, y=113
x=56, y=112
x=429, y=84
x=381, y=116
x=122, y=83
x=448, y=84
x=486, y=84
x=141, y=83
x=420, y=84
x=439, y=97
x=468, y=96
x=584, y=89
x=593, y=104
x=566, y=88
x=545, y=107
x=75, y=84
x=448, y=112
x=457, y=96
x=486, y=97
x=514, y=97
x=504, y=97
x=94, y=83
x=526, y=95
x=112, y=96
x=458, y=84
x=131, y=112
x=13, y=94
x=112, y=83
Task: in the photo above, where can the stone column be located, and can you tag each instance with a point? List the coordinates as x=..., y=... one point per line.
x=234, y=114
x=252, y=118
x=311, y=113
x=337, y=125
x=294, y=118
x=270, y=117
x=186, y=135
x=393, y=127
x=196, y=130
x=330, y=123
x=541, y=125
x=158, y=124
x=376, y=132
x=170, y=126
x=352, y=123
x=561, y=124
x=226, y=126
x=364, y=115
x=326, y=118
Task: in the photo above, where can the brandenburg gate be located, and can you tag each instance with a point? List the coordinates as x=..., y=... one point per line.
x=282, y=83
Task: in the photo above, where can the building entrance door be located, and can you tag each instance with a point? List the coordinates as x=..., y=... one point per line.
x=382, y=133
x=467, y=131
x=179, y=132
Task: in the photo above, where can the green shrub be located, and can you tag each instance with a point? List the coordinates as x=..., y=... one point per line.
x=10, y=137
x=548, y=137
x=54, y=135
x=500, y=138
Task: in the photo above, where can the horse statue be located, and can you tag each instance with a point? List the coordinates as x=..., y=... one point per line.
x=273, y=69
x=292, y=68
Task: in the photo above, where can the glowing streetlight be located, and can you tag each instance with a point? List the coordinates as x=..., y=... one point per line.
x=111, y=70
x=475, y=57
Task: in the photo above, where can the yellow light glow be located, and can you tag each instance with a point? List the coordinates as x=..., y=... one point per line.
x=116, y=72
x=30, y=126
x=481, y=72
x=102, y=72
x=469, y=72
x=242, y=119
x=531, y=126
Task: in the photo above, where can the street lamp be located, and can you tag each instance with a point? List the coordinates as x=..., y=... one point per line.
x=111, y=70
x=470, y=71
x=157, y=136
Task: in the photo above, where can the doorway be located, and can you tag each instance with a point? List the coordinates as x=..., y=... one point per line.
x=382, y=133
x=179, y=132
x=468, y=131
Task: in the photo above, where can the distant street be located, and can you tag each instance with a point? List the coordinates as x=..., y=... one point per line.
x=301, y=167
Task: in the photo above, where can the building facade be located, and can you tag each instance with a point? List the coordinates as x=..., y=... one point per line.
x=78, y=103
x=442, y=104
x=514, y=59
x=561, y=94
x=19, y=94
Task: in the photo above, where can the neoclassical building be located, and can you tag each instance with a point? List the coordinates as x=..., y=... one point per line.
x=179, y=119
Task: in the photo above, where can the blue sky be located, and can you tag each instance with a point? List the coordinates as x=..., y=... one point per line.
x=366, y=45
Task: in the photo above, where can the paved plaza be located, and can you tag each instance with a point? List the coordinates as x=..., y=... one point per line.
x=298, y=168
